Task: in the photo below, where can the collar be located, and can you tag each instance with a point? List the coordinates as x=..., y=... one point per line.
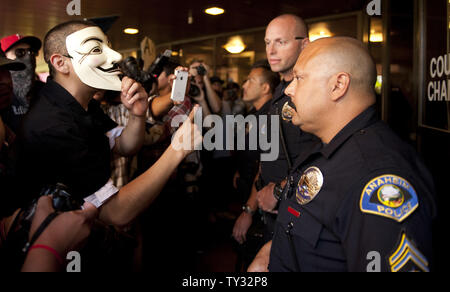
x=279, y=91
x=363, y=120
x=265, y=108
x=59, y=96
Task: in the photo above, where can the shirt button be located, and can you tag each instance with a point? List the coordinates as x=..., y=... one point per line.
x=362, y=132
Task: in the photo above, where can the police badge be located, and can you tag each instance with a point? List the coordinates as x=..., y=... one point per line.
x=287, y=112
x=309, y=185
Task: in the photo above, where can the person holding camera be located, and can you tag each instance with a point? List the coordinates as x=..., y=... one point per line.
x=73, y=143
x=201, y=89
x=66, y=233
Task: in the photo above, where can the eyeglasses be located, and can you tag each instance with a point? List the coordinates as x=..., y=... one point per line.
x=279, y=43
x=20, y=53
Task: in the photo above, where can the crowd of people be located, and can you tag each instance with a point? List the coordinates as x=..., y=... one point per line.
x=89, y=160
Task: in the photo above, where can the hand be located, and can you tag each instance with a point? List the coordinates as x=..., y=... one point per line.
x=201, y=97
x=172, y=78
x=188, y=137
x=241, y=227
x=134, y=97
x=266, y=200
x=68, y=231
x=207, y=69
x=261, y=262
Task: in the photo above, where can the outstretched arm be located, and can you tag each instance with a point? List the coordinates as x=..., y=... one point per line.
x=136, y=196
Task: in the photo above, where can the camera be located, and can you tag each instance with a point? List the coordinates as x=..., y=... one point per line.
x=62, y=199
x=194, y=90
x=158, y=65
x=18, y=241
x=200, y=70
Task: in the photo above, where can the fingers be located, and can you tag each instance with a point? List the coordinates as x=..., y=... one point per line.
x=193, y=112
x=45, y=205
x=238, y=235
x=126, y=85
x=132, y=90
x=135, y=88
x=181, y=68
x=43, y=209
x=172, y=78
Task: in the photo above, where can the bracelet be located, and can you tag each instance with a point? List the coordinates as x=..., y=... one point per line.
x=48, y=248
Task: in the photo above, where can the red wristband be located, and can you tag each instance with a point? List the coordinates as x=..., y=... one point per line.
x=48, y=248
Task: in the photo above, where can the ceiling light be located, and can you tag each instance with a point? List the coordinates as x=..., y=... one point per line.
x=318, y=35
x=376, y=37
x=235, y=45
x=318, y=31
x=214, y=11
x=131, y=30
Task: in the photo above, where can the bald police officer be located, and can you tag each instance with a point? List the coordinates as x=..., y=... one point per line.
x=363, y=200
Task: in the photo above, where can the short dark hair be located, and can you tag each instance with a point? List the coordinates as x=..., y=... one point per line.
x=55, y=39
x=170, y=67
x=269, y=77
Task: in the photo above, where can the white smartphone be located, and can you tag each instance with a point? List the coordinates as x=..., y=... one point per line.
x=179, y=86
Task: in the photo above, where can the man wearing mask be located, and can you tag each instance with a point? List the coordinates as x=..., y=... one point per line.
x=67, y=138
x=25, y=83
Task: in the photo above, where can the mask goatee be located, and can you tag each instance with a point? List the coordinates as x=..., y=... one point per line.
x=23, y=80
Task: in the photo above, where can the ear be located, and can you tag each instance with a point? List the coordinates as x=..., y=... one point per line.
x=266, y=88
x=340, y=84
x=305, y=42
x=60, y=63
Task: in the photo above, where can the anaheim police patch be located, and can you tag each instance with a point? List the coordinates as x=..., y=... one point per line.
x=390, y=196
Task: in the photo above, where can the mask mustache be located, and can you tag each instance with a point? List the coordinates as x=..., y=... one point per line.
x=115, y=68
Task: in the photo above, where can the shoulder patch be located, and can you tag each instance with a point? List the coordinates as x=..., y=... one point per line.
x=389, y=196
x=407, y=258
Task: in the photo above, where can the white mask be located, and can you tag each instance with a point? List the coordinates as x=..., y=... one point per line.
x=93, y=60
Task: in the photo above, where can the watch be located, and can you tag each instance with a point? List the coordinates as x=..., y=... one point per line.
x=278, y=191
x=248, y=210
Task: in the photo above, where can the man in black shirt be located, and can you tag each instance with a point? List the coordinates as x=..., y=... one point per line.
x=67, y=139
x=286, y=36
x=258, y=89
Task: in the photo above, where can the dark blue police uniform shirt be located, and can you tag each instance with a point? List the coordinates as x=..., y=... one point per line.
x=297, y=141
x=60, y=142
x=363, y=202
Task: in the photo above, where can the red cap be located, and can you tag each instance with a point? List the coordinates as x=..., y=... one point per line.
x=9, y=41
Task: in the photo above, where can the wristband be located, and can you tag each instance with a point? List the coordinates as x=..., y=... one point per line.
x=48, y=248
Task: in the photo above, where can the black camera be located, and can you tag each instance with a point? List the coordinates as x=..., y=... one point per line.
x=200, y=70
x=18, y=241
x=194, y=90
x=158, y=65
x=62, y=200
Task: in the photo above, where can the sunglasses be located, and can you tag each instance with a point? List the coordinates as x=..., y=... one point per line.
x=20, y=53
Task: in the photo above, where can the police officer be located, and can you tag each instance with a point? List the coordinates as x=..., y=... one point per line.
x=286, y=36
x=363, y=200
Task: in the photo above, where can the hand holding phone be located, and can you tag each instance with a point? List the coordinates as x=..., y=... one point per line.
x=179, y=85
